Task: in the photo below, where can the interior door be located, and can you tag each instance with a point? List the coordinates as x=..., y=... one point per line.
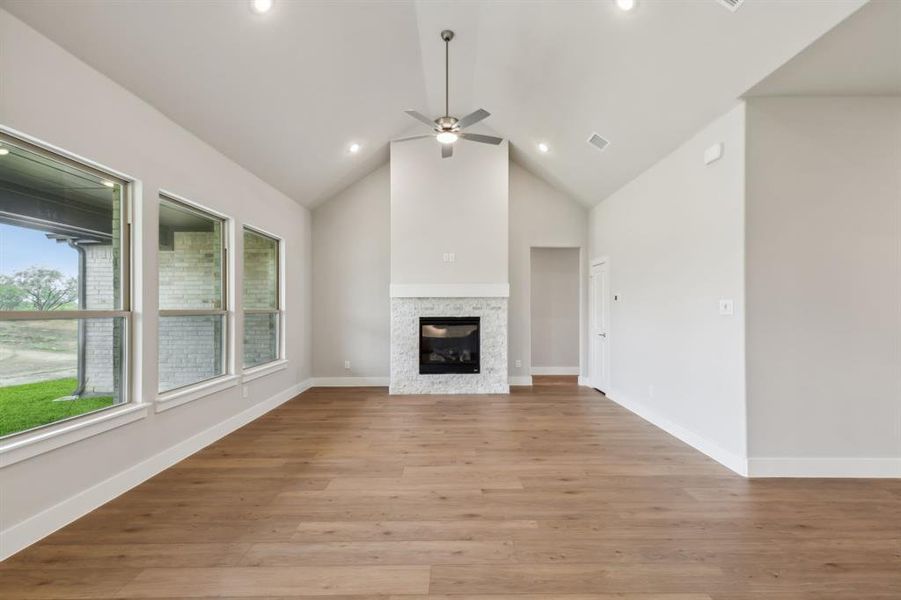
x=599, y=320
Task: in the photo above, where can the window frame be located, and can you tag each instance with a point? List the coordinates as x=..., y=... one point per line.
x=280, y=360
x=199, y=389
x=22, y=440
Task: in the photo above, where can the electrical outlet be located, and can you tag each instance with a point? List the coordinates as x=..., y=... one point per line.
x=346, y=364
x=245, y=391
x=518, y=364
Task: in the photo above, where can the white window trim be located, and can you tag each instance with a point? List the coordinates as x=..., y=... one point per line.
x=50, y=437
x=183, y=395
x=281, y=362
x=264, y=369
x=27, y=444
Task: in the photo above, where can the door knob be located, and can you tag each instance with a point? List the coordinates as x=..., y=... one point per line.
x=603, y=335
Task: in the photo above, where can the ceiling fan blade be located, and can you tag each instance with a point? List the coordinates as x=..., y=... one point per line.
x=415, y=137
x=447, y=150
x=421, y=117
x=483, y=139
x=473, y=118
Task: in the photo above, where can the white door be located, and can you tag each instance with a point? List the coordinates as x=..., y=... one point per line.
x=598, y=323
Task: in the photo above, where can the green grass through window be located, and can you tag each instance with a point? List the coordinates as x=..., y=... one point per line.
x=32, y=404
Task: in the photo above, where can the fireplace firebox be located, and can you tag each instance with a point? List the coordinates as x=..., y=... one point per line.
x=448, y=345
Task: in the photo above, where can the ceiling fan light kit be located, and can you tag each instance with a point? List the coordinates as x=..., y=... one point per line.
x=447, y=129
x=447, y=137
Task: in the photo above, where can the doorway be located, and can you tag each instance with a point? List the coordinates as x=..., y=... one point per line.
x=555, y=313
x=599, y=325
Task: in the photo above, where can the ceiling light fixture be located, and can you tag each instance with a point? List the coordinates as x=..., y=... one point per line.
x=354, y=148
x=542, y=147
x=626, y=5
x=3, y=151
x=447, y=137
x=261, y=6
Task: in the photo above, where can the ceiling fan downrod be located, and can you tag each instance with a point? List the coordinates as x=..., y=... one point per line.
x=447, y=35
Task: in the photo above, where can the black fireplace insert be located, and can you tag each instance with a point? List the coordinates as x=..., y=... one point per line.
x=448, y=345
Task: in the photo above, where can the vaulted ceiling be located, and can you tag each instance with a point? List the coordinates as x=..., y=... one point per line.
x=859, y=57
x=285, y=93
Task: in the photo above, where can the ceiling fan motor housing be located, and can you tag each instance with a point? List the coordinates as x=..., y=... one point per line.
x=446, y=123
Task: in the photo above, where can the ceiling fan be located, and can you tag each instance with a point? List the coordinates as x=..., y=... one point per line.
x=448, y=129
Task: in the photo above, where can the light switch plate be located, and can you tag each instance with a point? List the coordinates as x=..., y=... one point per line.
x=727, y=307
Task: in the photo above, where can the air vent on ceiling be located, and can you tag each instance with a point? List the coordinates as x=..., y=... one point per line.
x=732, y=5
x=597, y=141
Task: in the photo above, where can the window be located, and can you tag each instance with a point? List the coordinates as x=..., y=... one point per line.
x=193, y=295
x=262, y=299
x=64, y=288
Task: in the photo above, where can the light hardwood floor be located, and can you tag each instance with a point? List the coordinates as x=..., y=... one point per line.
x=552, y=492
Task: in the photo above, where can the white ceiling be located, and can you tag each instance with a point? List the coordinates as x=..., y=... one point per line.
x=285, y=93
x=860, y=57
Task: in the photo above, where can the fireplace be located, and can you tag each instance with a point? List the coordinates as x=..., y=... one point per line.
x=448, y=345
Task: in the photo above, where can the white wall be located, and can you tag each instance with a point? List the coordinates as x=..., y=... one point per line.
x=350, y=237
x=556, y=285
x=457, y=205
x=824, y=284
x=540, y=216
x=674, y=237
x=49, y=94
x=351, y=270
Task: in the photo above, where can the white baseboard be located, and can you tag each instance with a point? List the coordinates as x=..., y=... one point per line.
x=583, y=381
x=825, y=467
x=728, y=459
x=519, y=380
x=555, y=370
x=22, y=535
x=351, y=381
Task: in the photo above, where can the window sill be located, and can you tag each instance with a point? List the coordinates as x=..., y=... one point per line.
x=174, y=398
x=263, y=370
x=44, y=440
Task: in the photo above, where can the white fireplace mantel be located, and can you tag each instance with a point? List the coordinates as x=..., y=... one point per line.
x=449, y=290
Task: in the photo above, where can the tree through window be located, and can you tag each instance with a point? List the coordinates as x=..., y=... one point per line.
x=64, y=313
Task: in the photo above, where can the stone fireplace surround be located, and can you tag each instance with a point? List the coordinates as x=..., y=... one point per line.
x=405, y=376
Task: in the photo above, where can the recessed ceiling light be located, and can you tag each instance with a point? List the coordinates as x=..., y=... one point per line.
x=542, y=147
x=261, y=6
x=354, y=148
x=3, y=151
x=446, y=137
x=626, y=5
x=109, y=184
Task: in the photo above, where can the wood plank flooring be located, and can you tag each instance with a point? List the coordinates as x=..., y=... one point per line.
x=552, y=492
